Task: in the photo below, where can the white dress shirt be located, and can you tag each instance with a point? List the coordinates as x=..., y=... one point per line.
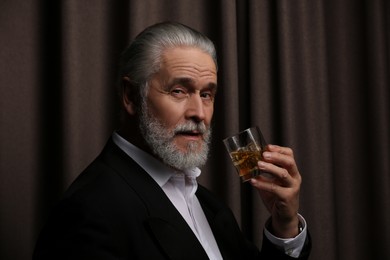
x=180, y=188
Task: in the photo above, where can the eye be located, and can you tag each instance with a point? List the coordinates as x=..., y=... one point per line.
x=179, y=93
x=207, y=95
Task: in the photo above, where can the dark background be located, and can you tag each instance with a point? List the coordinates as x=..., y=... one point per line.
x=313, y=75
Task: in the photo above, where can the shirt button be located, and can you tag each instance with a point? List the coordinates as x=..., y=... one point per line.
x=289, y=251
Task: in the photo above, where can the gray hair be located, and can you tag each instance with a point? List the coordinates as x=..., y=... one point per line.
x=142, y=58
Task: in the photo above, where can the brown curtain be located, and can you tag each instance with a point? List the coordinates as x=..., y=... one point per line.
x=312, y=74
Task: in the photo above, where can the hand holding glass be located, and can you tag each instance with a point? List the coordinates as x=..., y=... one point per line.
x=245, y=150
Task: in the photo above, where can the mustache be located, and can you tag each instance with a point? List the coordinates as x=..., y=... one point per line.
x=191, y=126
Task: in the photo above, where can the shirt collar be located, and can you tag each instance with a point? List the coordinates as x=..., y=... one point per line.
x=160, y=172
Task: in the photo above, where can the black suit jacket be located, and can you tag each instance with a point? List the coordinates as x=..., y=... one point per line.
x=115, y=210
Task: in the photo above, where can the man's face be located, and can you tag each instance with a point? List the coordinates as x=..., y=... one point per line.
x=178, y=108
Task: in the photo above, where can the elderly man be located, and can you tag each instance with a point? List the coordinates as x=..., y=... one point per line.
x=139, y=199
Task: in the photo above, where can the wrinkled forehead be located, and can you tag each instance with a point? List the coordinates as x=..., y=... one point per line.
x=188, y=60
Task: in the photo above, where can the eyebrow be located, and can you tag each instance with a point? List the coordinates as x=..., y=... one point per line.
x=185, y=81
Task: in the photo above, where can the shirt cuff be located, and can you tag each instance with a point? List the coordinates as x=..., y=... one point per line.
x=291, y=246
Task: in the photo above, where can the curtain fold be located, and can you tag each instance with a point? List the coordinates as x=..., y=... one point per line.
x=314, y=75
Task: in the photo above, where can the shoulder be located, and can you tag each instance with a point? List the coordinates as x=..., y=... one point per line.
x=110, y=178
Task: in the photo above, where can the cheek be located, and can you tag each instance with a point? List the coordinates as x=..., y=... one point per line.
x=167, y=113
x=209, y=115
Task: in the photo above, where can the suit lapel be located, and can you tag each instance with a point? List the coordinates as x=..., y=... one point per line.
x=221, y=221
x=176, y=242
x=165, y=223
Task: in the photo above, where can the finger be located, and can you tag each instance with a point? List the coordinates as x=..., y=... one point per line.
x=265, y=185
x=273, y=187
x=282, y=160
x=280, y=149
x=281, y=174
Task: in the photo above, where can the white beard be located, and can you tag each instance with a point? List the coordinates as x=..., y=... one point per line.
x=161, y=141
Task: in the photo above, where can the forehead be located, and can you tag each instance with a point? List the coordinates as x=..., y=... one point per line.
x=188, y=60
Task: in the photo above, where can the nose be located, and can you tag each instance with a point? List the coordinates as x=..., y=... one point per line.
x=195, y=108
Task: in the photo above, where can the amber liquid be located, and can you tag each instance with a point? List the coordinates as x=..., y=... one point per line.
x=245, y=162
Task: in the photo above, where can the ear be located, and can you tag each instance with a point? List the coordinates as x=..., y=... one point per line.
x=128, y=95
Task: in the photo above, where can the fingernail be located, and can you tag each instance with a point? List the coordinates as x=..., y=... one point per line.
x=267, y=155
x=261, y=165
